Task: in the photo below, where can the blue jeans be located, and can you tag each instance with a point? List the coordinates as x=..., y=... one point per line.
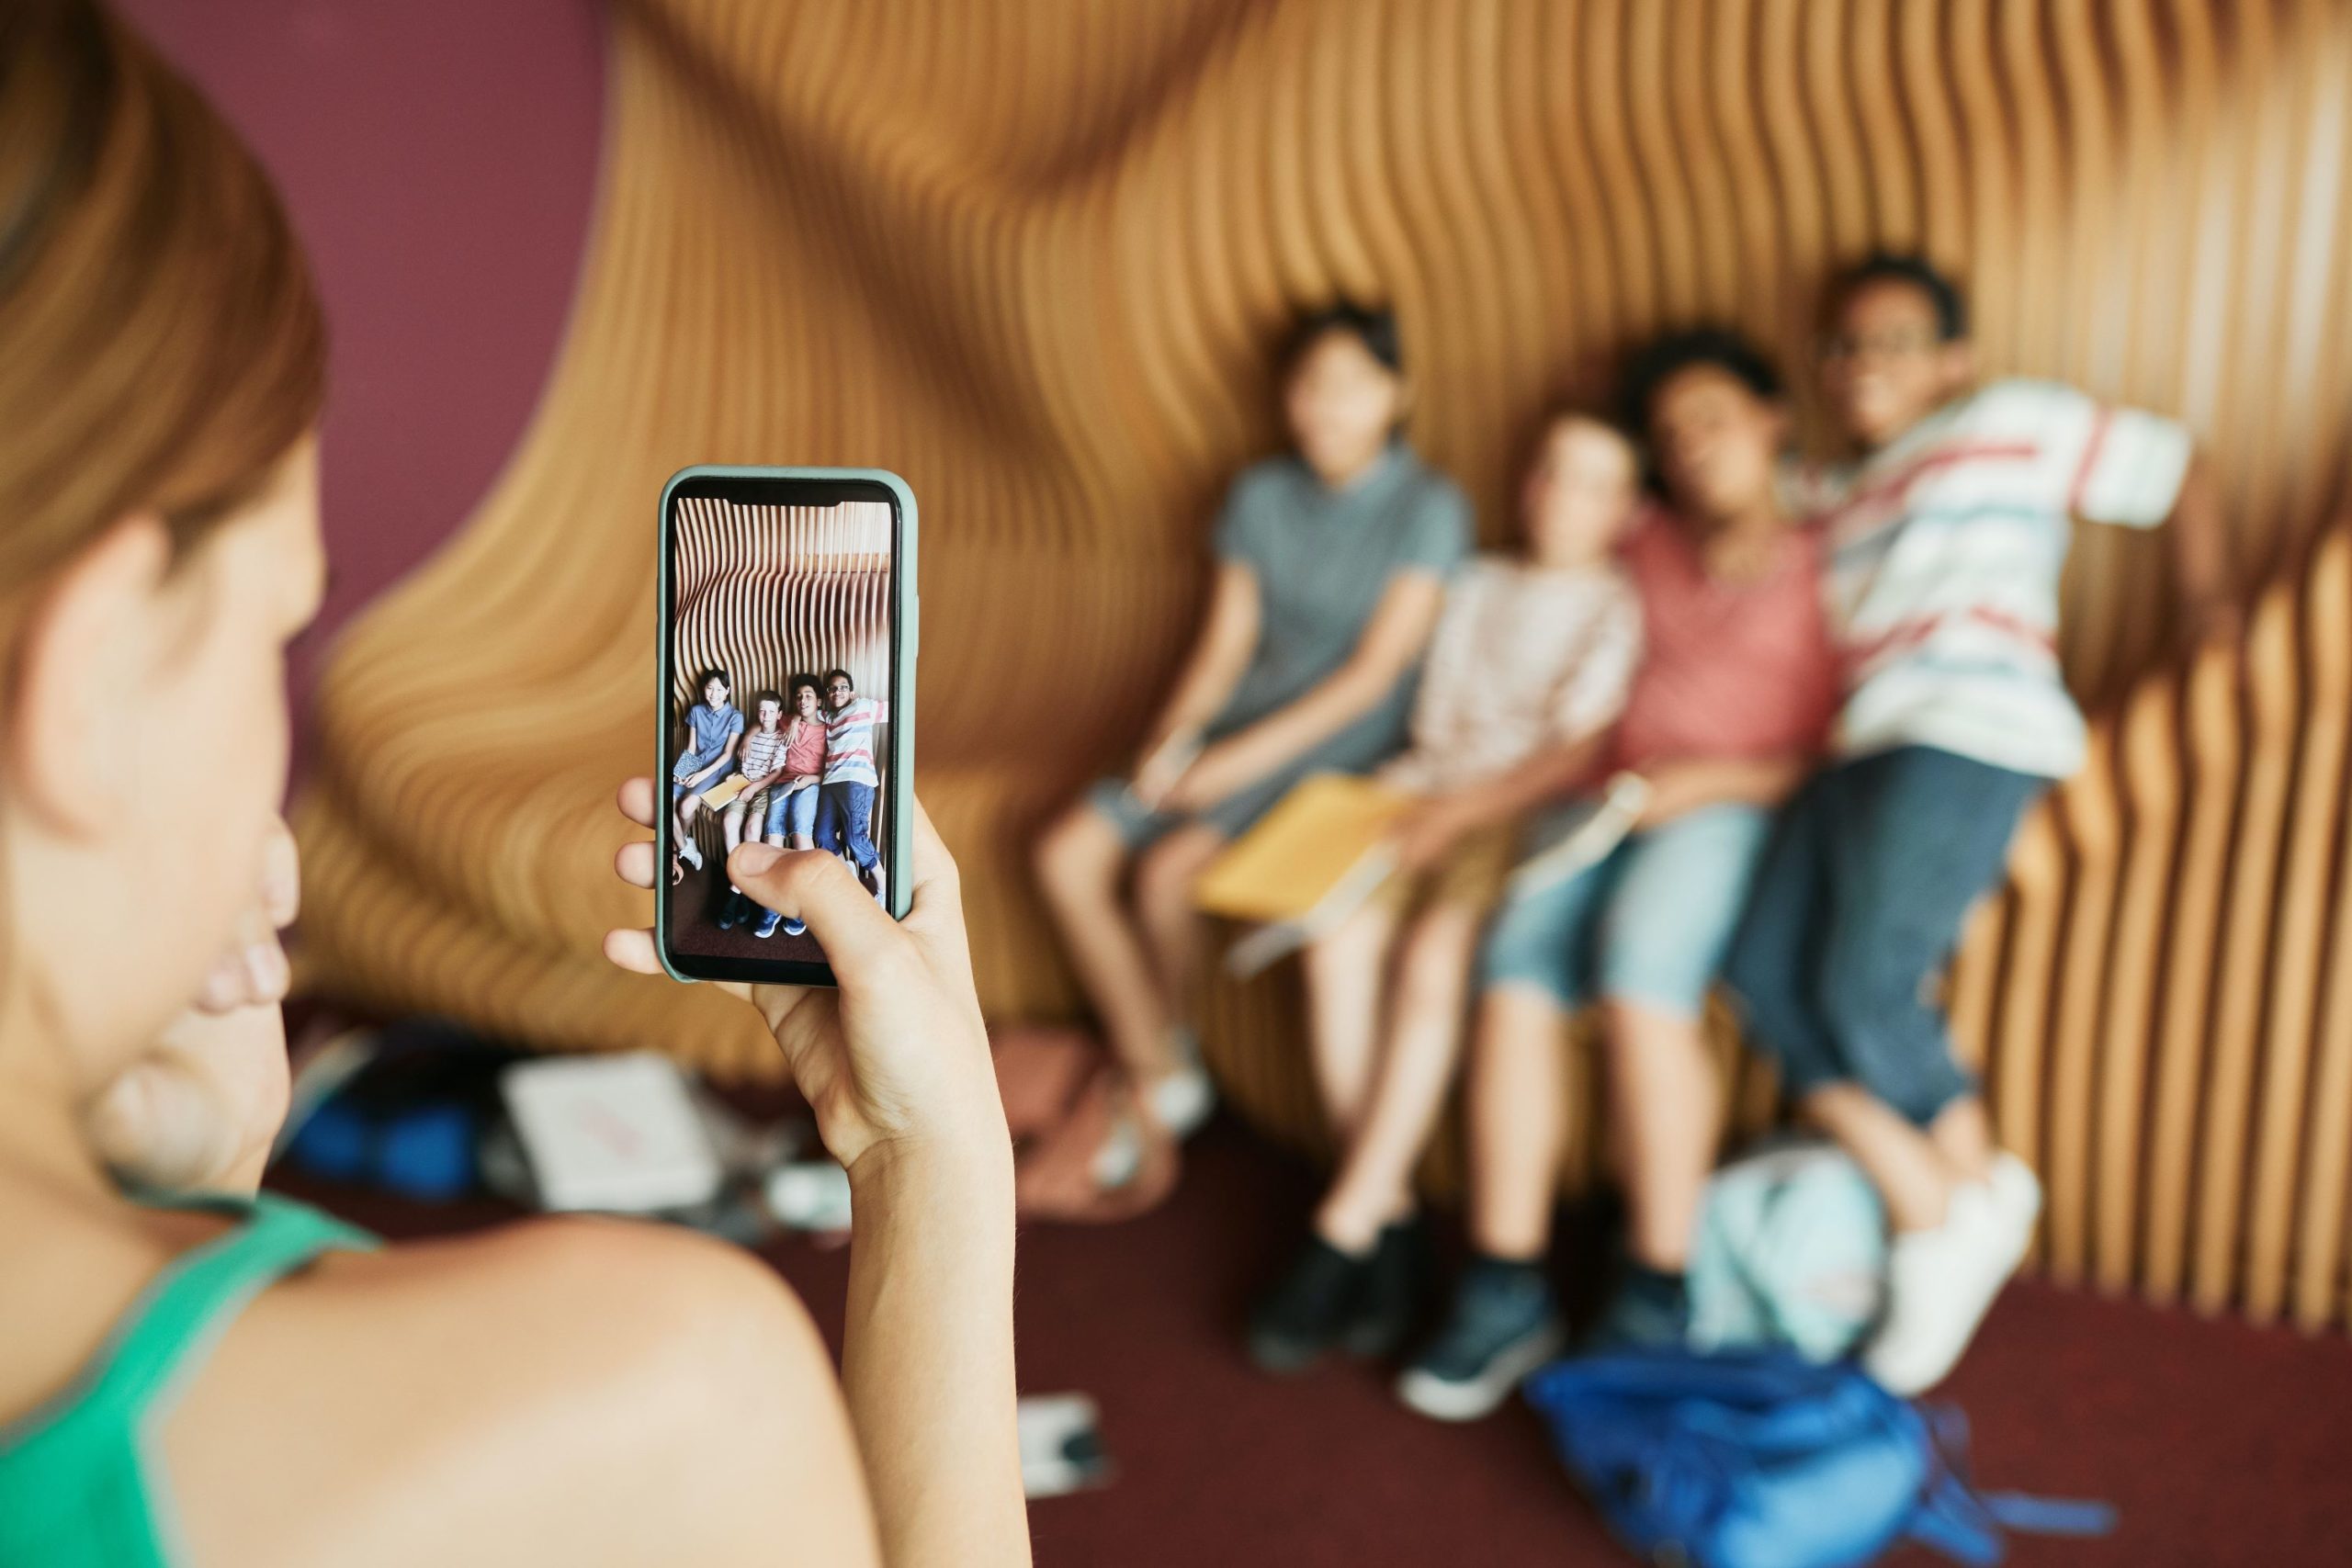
x=845, y=821
x=1858, y=904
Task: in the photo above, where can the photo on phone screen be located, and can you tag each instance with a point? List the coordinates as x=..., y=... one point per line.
x=787, y=622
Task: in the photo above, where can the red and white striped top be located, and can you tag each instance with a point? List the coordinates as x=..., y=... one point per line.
x=849, y=742
x=1944, y=552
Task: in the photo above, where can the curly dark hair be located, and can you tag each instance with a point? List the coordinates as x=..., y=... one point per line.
x=1656, y=363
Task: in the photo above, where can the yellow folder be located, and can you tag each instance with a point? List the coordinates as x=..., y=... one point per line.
x=725, y=790
x=1307, y=865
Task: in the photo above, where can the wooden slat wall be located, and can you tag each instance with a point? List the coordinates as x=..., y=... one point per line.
x=767, y=592
x=1031, y=253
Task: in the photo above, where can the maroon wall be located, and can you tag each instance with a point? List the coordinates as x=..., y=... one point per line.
x=439, y=157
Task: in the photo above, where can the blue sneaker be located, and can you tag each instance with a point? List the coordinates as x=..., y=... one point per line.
x=1504, y=1324
x=1648, y=1311
x=768, y=923
x=794, y=928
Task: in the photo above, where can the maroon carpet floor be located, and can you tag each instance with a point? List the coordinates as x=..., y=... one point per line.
x=2220, y=1443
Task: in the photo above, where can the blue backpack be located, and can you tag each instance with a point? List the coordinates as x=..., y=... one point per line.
x=1763, y=1460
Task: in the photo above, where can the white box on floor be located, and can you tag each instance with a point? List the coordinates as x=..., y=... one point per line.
x=616, y=1134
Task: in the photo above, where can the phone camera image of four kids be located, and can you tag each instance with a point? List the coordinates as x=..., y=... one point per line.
x=800, y=772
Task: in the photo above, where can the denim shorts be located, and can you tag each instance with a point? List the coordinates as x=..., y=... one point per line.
x=1648, y=924
x=794, y=813
x=686, y=768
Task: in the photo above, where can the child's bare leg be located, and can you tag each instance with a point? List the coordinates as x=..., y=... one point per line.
x=1172, y=926
x=1415, y=1069
x=1962, y=1134
x=1517, y=1120
x=1902, y=1162
x=1079, y=861
x=1666, y=1108
x=688, y=810
x=1346, y=973
x=731, y=826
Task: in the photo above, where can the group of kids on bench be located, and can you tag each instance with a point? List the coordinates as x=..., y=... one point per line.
x=808, y=781
x=1837, y=686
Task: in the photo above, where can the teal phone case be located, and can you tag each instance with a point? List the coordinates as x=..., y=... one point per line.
x=905, y=650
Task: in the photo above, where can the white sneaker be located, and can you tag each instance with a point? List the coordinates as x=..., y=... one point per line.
x=1182, y=1100
x=1940, y=1283
x=690, y=852
x=1182, y=1097
x=2016, y=1196
x=1120, y=1158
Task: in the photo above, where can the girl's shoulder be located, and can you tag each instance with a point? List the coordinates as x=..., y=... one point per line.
x=1430, y=490
x=560, y=1352
x=1269, y=480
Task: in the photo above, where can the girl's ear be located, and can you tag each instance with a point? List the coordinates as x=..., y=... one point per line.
x=94, y=635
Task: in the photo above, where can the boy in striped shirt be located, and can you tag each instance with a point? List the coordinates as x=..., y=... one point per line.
x=760, y=761
x=1944, y=539
x=846, y=797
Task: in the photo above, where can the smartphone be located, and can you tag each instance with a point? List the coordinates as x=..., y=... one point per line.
x=788, y=678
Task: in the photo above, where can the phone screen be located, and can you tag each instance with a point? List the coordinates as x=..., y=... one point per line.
x=788, y=624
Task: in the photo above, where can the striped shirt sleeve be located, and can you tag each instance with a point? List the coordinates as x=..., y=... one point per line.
x=2131, y=468
x=1594, y=693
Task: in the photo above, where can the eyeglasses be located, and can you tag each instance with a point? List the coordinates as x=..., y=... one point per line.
x=840, y=686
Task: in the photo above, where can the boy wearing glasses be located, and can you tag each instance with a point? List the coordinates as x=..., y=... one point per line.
x=1944, y=538
x=846, y=797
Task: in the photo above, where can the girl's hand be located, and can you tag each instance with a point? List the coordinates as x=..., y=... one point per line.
x=1215, y=774
x=896, y=1059
x=1163, y=763
x=1425, y=836
x=198, y=1111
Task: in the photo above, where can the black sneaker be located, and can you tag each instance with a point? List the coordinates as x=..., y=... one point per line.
x=1310, y=1310
x=1395, y=1291
x=1648, y=1311
x=732, y=913
x=1505, y=1323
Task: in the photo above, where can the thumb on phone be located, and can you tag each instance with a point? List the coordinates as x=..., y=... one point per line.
x=818, y=887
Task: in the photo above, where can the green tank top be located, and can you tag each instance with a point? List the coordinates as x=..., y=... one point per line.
x=81, y=1484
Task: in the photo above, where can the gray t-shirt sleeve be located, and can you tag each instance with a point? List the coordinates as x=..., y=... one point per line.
x=1440, y=538
x=1241, y=524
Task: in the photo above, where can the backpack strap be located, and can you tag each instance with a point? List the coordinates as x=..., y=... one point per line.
x=1953, y=1520
x=1966, y=1524
x=2030, y=1514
